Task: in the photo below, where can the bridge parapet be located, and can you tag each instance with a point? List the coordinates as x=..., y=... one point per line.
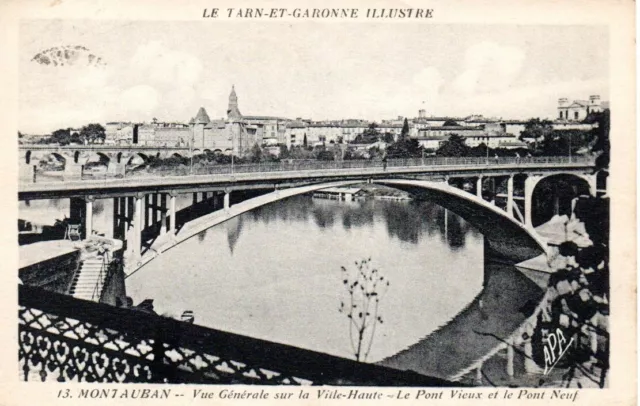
x=67, y=339
x=230, y=174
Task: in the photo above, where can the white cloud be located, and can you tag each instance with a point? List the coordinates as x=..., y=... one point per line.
x=489, y=67
x=524, y=101
x=155, y=62
x=139, y=100
x=68, y=96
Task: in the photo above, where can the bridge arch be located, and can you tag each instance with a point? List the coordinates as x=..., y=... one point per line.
x=552, y=194
x=505, y=237
x=139, y=155
x=102, y=157
x=51, y=158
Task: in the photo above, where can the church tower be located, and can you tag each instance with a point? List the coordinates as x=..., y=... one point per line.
x=233, y=113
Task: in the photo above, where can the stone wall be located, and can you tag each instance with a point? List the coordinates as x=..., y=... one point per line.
x=54, y=274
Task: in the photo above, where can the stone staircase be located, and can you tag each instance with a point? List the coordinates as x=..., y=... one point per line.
x=88, y=282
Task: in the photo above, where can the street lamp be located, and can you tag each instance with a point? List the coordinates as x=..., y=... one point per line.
x=570, y=146
x=233, y=146
x=191, y=153
x=487, y=148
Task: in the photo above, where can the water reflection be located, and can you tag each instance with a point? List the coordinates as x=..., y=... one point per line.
x=275, y=272
x=408, y=221
x=234, y=231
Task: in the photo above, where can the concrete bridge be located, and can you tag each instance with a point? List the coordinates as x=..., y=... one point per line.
x=494, y=195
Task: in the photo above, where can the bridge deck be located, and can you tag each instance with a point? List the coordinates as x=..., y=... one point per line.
x=270, y=175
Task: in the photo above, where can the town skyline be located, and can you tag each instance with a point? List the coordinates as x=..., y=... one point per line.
x=454, y=70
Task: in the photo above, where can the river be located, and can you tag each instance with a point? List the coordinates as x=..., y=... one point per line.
x=275, y=272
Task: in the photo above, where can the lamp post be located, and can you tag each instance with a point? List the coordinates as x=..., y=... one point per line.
x=570, y=146
x=191, y=153
x=233, y=147
x=487, y=148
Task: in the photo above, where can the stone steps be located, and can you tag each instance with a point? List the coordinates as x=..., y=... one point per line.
x=89, y=279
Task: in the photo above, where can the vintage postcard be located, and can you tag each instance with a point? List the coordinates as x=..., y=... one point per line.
x=309, y=203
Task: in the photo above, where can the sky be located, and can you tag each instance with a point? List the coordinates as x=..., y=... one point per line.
x=315, y=70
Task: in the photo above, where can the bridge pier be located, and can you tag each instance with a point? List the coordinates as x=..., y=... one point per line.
x=592, y=180
x=72, y=170
x=88, y=214
x=137, y=226
x=172, y=213
x=479, y=187
x=529, y=186
x=510, y=196
x=163, y=214
x=227, y=199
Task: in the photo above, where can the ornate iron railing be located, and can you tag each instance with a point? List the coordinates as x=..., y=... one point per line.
x=67, y=339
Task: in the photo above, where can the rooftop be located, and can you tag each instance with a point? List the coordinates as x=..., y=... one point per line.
x=452, y=128
x=202, y=117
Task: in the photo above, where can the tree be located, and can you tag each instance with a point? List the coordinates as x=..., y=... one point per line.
x=579, y=300
x=368, y=136
x=366, y=287
x=92, y=133
x=325, y=155
x=20, y=135
x=284, y=152
x=255, y=154
x=405, y=129
x=304, y=141
x=388, y=138
x=61, y=136
x=536, y=130
x=450, y=123
x=454, y=146
x=565, y=142
x=571, y=331
x=404, y=148
x=601, y=133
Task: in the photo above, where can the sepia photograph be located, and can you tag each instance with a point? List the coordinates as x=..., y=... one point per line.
x=313, y=203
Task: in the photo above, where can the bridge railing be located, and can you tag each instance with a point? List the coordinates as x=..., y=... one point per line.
x=312, y=165
x=62, y=338
x=295, y=166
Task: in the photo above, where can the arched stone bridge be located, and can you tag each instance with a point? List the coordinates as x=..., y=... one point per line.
x=115, y=158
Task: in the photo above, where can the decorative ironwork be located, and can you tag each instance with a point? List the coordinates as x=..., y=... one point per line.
x=68, y=339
